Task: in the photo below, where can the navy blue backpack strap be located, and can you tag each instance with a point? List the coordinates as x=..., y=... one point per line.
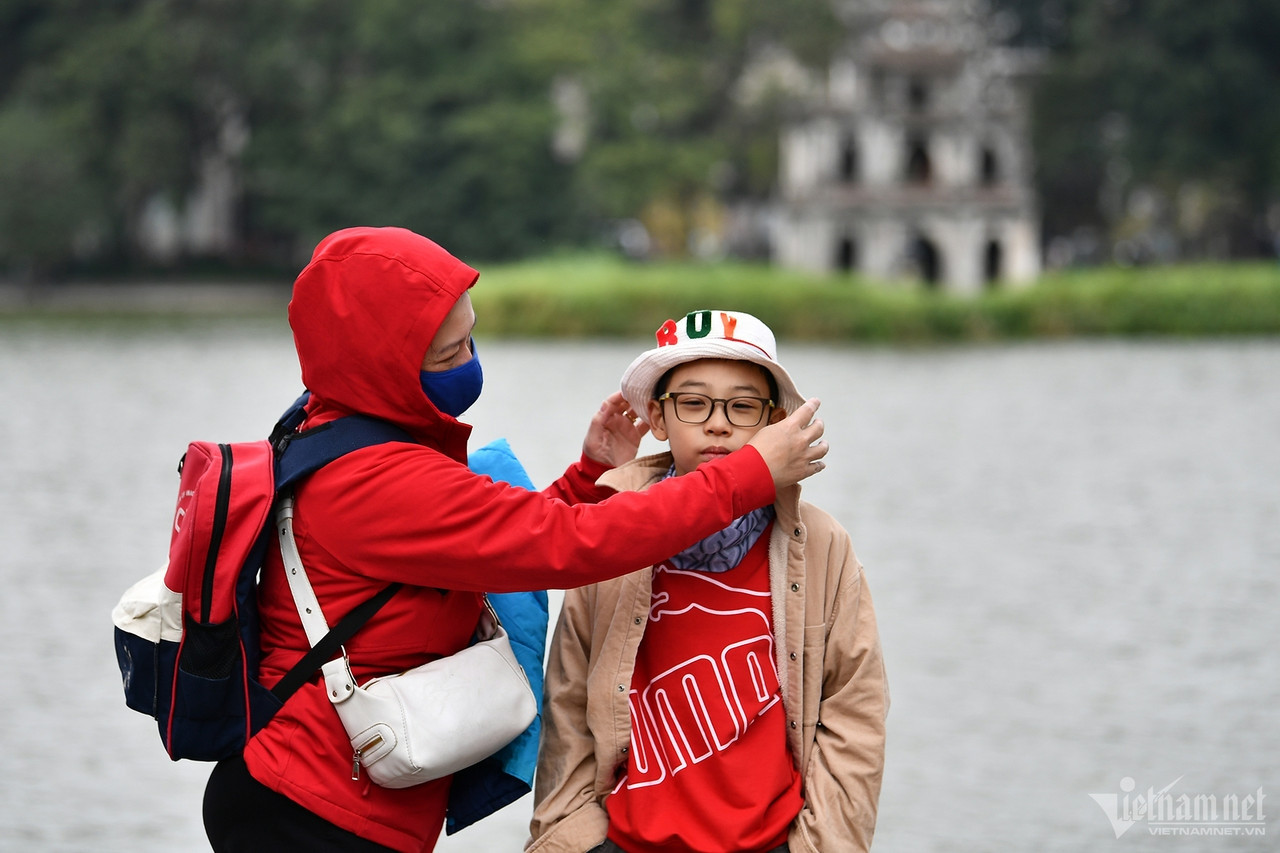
x=299, y=454
x=290, y=421
x=302, y=453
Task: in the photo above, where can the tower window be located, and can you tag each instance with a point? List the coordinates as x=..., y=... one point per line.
x=846, y=254
x=992, y=261
x=848, y=160
x=919, y=170
x=917, y=95
x=927, y=263
x=989, y=171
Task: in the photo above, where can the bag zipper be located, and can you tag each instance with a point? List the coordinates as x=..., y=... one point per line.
x=355, y=759
x=215, y=537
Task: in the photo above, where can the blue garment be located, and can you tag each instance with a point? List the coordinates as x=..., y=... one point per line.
x=501, y=779
x=453, y=391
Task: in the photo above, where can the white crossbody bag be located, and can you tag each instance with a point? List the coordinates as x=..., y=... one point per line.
x=429, y=721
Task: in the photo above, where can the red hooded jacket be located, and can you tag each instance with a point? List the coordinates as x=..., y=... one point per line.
x=363, y=313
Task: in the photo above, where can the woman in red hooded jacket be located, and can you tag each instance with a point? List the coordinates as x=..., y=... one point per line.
x=382, y=323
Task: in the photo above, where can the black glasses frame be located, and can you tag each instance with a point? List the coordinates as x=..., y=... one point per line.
x=724, y=403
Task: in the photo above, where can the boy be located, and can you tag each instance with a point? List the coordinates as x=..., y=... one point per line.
x=733, y=697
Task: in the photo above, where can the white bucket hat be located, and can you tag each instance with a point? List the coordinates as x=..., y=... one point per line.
x=707, y=334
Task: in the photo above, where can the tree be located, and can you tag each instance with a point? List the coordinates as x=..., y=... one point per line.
x=379, y=112
x=667, y=127
x=506, y=127
x=1170, y=101
x=119, y=90
x=46, y=197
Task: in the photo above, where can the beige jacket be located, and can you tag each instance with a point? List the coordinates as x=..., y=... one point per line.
x=829, y=662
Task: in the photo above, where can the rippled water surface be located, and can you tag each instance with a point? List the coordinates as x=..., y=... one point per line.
x=1074, y=550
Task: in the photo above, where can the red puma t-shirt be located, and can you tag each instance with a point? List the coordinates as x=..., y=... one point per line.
x=709, y=769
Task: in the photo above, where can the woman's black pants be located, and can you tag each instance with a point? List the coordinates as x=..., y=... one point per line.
x=241, y=815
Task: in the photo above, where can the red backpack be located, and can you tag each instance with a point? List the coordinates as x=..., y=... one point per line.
x=186, y=636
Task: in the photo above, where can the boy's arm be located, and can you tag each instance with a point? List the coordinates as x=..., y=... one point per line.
x=567, y=816
x=846, y=762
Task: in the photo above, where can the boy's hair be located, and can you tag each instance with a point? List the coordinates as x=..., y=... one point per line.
x=660, y=387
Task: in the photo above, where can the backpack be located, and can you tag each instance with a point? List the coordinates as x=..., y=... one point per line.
x=186, y=636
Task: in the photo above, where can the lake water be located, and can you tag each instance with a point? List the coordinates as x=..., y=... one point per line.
x=1074, y=550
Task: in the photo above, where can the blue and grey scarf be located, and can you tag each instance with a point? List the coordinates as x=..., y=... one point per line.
x=724, y=550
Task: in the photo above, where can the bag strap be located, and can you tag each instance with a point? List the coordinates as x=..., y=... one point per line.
x=304, y=597
x=296, y=456
x=324, y=643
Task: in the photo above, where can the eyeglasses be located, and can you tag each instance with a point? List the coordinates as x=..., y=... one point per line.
x=697, y=408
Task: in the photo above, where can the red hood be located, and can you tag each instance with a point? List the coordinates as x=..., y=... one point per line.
x=363, y=313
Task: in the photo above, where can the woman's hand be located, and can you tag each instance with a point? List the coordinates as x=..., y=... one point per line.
x=791, y=447
x=614, y=434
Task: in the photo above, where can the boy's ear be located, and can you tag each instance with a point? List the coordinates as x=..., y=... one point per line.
x=658, y=425
x=778, y=414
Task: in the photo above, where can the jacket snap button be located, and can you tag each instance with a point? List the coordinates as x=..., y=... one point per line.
x=793, y=724
x=797, y=531
x=795, y=587
x=622, y=688
x=637, y=620
x=793, y=655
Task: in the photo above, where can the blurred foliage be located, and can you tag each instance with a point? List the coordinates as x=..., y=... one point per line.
x=43, y=168
x=669, y=124
x=438, y=118
x=506, y=128
x=1167, y=102
x=386, y=113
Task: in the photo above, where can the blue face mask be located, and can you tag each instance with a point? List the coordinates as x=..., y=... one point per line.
x=454, y=390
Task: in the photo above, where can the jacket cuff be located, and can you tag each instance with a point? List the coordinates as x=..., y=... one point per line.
x=591, y=468
x=581, y=830
x=581, y=479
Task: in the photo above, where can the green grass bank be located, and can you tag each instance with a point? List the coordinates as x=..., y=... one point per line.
x=607, y=297
x=604, y=296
